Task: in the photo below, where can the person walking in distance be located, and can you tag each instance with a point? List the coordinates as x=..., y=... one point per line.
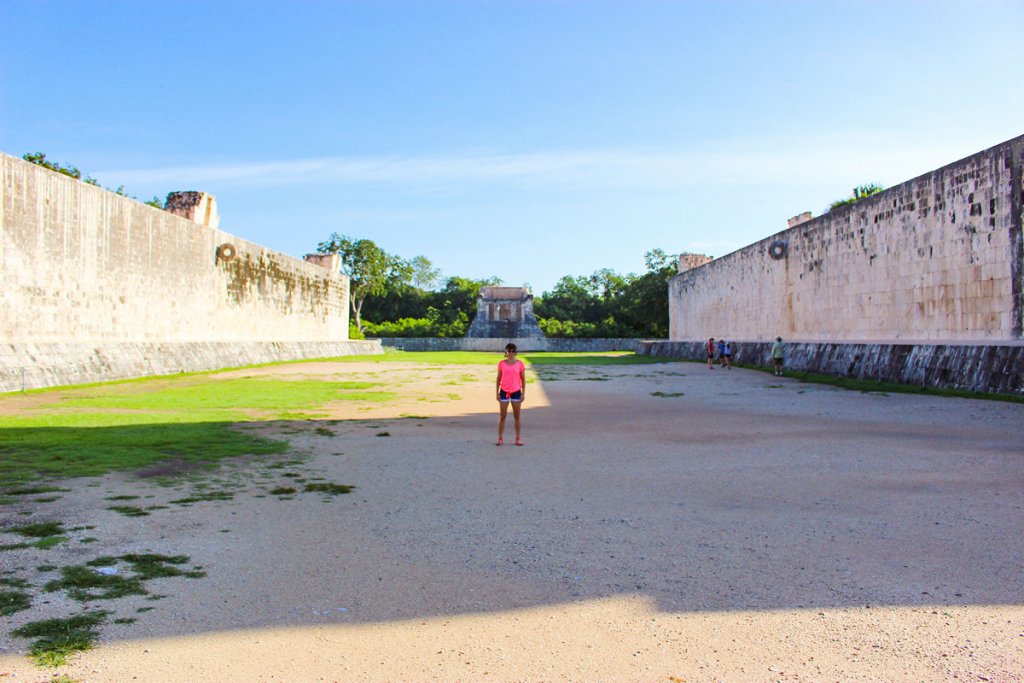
x=778, y=353
x=511, y=388
x=727, y=353
x=711, y=353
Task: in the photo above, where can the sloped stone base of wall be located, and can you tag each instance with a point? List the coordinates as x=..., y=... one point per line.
x=32, y=366
x=524, y=344
x=983, y=368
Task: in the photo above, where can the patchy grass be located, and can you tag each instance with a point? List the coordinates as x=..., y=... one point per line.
x=86, y=583
x=204, y=497
x=875, y=387
x=121, y=498
x=151, y=566
x=282, y=491
x=56, y=639
x=383, y=434
x=39, y=529
x=95, y=429
x=47, y=535
x=34, y=490
x=70, y=445
x=14, y=583
x=323, y=431
x=14, y=601
x=14, y=546
x=191, y=419
x=46, y=499
x=129, y=510
x=333, y=489
x=666, y=394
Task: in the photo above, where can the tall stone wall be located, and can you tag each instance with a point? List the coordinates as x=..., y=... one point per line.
x=936, y=258
x=87, y=271
x=984, y=368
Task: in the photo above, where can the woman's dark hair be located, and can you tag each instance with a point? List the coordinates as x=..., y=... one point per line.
x=510, y=347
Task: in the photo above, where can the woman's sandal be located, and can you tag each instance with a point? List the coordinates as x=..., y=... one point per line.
x=500, y=441
x=519, y=442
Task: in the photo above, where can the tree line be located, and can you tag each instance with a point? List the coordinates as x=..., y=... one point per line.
x=395, y=297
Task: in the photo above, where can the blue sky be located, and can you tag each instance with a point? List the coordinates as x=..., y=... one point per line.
x=523, y=140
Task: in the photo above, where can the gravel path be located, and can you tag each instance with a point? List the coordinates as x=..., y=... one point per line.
x=663, y=523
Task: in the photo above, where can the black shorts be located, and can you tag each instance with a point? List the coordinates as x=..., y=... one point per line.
x=515, y=396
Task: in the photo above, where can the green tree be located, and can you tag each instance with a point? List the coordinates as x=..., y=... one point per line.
x=370, y=269
x=607, y=304
x=573, y=298
x=424, y=275
x=643, y=306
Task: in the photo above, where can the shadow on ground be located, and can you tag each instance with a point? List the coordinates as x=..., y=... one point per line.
x=737, y=493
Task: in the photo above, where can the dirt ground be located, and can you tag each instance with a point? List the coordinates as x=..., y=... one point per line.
x=662, y=523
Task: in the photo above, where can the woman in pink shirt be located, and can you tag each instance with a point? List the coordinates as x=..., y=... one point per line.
x=511, y=388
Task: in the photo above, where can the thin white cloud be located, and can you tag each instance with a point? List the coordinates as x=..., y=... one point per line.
x=889, y=160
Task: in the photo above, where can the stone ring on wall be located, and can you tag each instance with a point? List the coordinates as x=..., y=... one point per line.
x=777, y=249
x=226, y=252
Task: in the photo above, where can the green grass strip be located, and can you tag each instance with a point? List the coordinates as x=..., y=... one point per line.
x=870, y=386
x=28, y=452
x=57, y=639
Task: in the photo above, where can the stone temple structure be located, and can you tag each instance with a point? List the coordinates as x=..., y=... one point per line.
x=505, y=312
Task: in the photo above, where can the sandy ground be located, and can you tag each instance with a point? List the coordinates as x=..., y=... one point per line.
x=663, y=523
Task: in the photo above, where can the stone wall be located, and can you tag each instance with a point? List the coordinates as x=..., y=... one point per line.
x=524, y=344
x=937, y=258
x=987, y=368
x=31, y=366
x=91, y=274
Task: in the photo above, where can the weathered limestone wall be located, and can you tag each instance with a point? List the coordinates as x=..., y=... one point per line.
x=936, y=258
x=986, y=368
x=31, y=366
x=95, y=273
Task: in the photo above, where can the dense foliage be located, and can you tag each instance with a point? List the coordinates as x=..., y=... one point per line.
x=409, y=311
x=370, y=269
x=604, y=304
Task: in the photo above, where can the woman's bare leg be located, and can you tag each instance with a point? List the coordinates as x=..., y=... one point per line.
x=516, y=407
x=501, y=420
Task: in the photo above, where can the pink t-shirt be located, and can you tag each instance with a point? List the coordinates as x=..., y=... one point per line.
x=510, y=382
